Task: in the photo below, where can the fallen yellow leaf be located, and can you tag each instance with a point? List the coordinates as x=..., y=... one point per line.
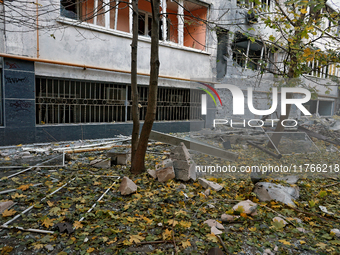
x=77, y=224
x=8, y=213
x=48, y=222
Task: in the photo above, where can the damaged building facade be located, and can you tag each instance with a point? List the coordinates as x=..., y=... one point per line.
x=70, y=79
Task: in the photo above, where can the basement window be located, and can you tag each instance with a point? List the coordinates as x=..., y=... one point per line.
x=322, y=107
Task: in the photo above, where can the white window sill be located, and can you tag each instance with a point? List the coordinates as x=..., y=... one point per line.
x=77, y=23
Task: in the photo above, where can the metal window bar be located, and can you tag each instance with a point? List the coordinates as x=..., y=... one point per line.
x=68, y=101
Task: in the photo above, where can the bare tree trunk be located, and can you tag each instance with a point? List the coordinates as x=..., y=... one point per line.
x=138, y=164
x=134, y=89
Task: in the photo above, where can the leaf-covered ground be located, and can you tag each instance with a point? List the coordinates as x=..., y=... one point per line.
x=161, y=214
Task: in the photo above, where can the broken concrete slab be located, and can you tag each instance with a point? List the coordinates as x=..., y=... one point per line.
x=228, y=218
x=335, y=232
x=215, y=231
x=213, y=223
x=6, y=205
x=165, y=174
x=209, y=184
x=291, y=179
x=247, y=207
x=119, y=156
x=184, y=166
x=182, y=186
x=127, y=186
x=152, y=173
x=267, y=191
x=106, y=163
x=164, y=164
x=193, y=145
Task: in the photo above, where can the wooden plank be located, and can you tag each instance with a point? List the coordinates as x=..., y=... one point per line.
x=278, y=156
x=193, y=145
x=311, y=133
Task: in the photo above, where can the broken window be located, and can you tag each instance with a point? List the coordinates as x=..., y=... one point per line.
x=249, y=54
x=181, y=23
x=322, y=107
x=222, y=52
x=69, y=9
x=265, y=4
x=194, y=25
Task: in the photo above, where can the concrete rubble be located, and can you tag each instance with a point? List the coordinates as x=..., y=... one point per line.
x=5, y=205
x=247, y=207
x=101, y=163
x=267, y=191
x=127, y=186
x=228, y=218
x=279, y=219
x=213, y=223
x=335, y=232
x=183, y=164
x=209, y=184
x=119, y=157
x=165, y=174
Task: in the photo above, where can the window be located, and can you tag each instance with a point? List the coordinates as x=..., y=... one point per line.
x=322, y=107
x=65, y=101
x=69, y=9
x=248, y=54
x=265, y=4
x=182, y=24
x=222, y=52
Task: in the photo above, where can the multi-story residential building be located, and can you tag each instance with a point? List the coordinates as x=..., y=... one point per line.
x=70, y=79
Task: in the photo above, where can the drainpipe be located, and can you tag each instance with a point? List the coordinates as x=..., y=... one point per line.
x=37, y=13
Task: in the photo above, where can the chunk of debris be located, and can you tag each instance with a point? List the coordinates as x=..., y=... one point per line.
x=49, y=247
x=256, y=175
x=183, y=164
x=331, y=148
x=99, y=163
x=247, y=207
x=267, y=191
x=182, y=186
x=127, y=186
x=215, y=231
x=302, y=230
x=119, y=157
x=209, y=184
x=279, y=219
x=291, y=179
x=228, y=218
x=335, y=232
x=152, y=173
x=165, y=174
x=6, y=205
x=267, y=252
x=164, y=164
x=324, y=209
x=207, y=192
x=213, y=223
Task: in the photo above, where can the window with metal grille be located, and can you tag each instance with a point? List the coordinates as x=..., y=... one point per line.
x=172, y=104
x=69, y=101
x=64, y=101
